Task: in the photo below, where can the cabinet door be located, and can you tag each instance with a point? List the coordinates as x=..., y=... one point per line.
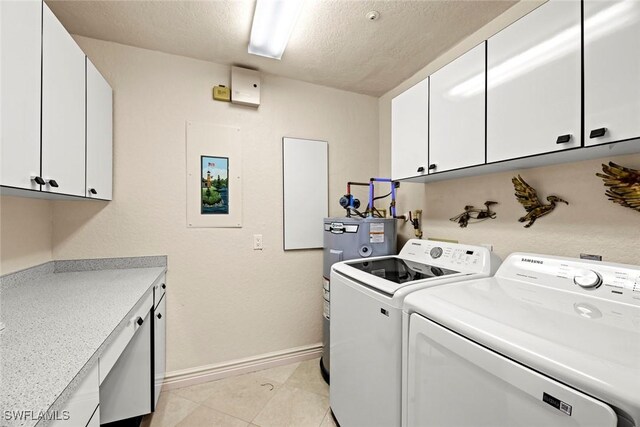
x=63, y=109
x=81, y=406
x=20, y=38
x=533, y=83
x=159, y=345
x=457, y=113
x=410, y=132
x=126, y=391
x=99, y=135
x=611, y=71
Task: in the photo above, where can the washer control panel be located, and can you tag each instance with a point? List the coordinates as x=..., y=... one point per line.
x=449, y=255
x=610, y=281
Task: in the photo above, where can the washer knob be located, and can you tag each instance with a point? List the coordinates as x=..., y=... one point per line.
x=587, y=279
x=436, y=252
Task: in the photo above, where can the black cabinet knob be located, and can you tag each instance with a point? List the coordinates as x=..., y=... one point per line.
x=140, y=321
x=563, y=139
x=164, y=286
x=53, y=183
x=93, y=191
x=597, y=133
x=38, y=180
x=432, y=166
x=421, y=169
x=159, y=316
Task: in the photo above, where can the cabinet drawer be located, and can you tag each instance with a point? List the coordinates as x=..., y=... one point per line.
x=81, y=406
x=111, y=355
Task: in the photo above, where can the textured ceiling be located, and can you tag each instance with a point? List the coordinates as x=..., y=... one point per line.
x=333, y=44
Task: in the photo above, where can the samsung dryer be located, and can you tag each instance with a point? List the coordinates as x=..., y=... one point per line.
x=366, y=323
x=548, y=341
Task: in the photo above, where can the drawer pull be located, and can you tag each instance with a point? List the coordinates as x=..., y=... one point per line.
x=93, y=191
x=140, y=321
x=164, y=286
x=563, y=139
x=432, y=166
x=38, y=180
x=53, y=183
x=159, y=315
x=597, y=133
x=421, y=169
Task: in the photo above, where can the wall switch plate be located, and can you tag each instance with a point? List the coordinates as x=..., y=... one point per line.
x=257, y=242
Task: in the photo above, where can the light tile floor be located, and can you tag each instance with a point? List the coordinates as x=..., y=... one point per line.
x=293, y=395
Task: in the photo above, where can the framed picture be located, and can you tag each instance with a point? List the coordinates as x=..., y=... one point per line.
x=214, y=185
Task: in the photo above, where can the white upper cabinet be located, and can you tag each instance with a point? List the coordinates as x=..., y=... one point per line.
x=20, y=49
x=99, y=135
x=63, y=109
x=410, y=132
x=457, y=113
x=533, y=83
x=611, y=70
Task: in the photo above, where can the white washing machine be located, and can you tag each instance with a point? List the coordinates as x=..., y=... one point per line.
x=366, y=323
x=548, y=341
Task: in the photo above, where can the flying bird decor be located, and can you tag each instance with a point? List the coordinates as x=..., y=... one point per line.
x=474, y=214
x=528, y=197
x=623, y=185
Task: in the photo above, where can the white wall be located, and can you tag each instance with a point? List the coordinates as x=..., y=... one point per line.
x=590, y=224
x=226, y=301
x=26, y=227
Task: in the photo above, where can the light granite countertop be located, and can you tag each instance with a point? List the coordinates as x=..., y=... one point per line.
x=57, y=324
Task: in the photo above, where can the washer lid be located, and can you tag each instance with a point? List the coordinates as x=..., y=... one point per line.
x=389, y=274
x=588, y=343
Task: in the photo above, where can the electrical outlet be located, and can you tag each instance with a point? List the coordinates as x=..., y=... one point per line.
x=257, y=242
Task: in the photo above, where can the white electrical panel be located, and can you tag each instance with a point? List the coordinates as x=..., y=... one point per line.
x=245, y=86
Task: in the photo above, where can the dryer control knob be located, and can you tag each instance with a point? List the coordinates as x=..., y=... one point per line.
x=436, y=252
x=587, y=279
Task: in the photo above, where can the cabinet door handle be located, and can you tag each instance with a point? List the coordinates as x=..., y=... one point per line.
x=93, y=191
x=140, y=321
x=159, y=315
x=432, y=166
x=421, y=169
x=597, y=133
x=38, y=180
x=563, y=139
x=164, y=286
x=53, y=183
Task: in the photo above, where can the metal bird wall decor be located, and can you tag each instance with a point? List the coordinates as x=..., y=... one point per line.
x=528, y=197
x=474, y=214
x=623, y=185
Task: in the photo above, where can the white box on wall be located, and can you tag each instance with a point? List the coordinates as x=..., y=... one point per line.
x=245, y=86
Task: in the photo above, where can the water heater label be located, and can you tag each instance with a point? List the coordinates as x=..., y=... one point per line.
x=376, y=232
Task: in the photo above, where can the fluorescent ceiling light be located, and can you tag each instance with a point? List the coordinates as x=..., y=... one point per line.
x=273, y=22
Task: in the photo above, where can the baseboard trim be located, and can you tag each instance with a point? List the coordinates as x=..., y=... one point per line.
x=202, y=374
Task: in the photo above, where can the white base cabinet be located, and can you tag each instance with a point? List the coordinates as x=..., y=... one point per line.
x=457, y=113
x=160, y=343
x=410, y=132
x=82, y=407
x=20, y=47
x=130, y=386
x=533, y=83
x=126, y=391
x=611, y=71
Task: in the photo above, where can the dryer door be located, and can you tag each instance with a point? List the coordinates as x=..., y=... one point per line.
x=456, y=382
